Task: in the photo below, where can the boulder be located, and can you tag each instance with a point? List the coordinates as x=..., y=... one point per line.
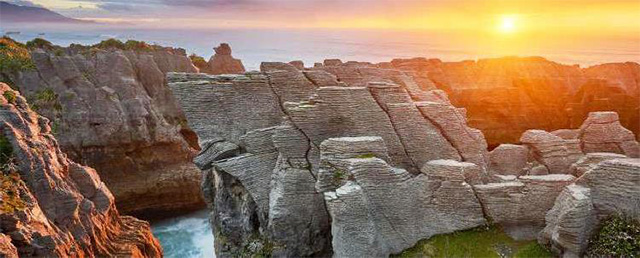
x=591, y=160
x=508, y=159
x=548, y=149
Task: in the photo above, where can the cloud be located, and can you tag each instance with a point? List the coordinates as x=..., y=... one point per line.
x=24, y=3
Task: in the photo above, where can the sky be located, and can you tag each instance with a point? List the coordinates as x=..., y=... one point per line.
x=516, y=17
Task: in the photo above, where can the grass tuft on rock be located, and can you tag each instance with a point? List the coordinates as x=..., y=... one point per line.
x=478, y=242
x=10, y=96
x=619, y=236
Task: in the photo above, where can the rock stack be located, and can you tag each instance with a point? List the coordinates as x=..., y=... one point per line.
x=61, y=208
x=222, y=62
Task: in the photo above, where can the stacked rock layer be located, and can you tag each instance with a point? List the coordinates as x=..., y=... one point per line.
x=361, y=161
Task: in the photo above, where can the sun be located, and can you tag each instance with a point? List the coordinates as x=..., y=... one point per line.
x=508, y=24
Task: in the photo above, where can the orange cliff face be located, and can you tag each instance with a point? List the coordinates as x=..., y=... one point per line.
x=506, y=96
x=58, y=208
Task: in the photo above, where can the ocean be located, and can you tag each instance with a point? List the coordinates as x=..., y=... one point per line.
x=254, y=46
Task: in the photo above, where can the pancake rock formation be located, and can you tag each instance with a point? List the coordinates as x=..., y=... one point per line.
x=110, y=109
x=350, y=160
x=52, y=206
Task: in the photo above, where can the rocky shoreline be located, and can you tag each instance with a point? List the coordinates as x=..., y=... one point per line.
x=340, y=159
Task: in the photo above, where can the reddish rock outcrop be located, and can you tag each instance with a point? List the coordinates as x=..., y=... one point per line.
x=61, y=208
x=222, y=62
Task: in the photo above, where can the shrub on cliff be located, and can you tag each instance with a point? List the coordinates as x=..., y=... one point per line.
x=134, y=45
x=619, y=236
x=39, y=43
x=198, y=61
x=14, y=57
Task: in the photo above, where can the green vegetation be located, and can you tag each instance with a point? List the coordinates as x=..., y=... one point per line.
x=6, y=151
x=198, y=61
x=129, y=45
x=39, y=43
x=619, y=236
x=479, y=242
x=10, y=200
x=338, y=175
x=47, y=99
x=366, y=156
x=10, y=96
x=14, y=57
x=9, y=180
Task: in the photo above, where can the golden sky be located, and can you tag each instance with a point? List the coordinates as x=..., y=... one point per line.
x=503, y=17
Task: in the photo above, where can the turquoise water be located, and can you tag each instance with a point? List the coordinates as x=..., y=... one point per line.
x=187, y=236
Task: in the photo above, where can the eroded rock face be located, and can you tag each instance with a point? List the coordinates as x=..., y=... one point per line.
x=378, y=210
x=358, y=160
x=274, y=152
x=521, y=205
x=222, y=62
x=608, y=189
x=507, y=96
x=66, y=210
x=110, y=109
x=602, y=132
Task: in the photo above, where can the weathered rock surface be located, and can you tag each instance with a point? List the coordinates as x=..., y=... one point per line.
x=591, y=160
x=508, y=159
x=507, y=96
x=222, y=62
x=66, y=211
x=379, y=210
x=357, y=160
x=521, y=205
x=602, y=132
x=110, y=109
x=263, y=134
x=608, y=189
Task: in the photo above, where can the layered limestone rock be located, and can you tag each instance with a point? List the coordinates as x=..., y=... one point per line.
x=357, y=160
x=602, y=132
x=507, y=96
x=520, y=205
x=222, y=62
x=610, y=188
x=271, y=153
x=110, y=109
x=378, y=209
x=63, y=208
x=548, y=149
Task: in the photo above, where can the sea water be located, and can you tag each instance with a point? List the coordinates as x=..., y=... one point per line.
x=187, y=236
x=254, y=46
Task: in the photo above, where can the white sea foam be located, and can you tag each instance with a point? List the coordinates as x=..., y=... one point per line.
x=187, y=236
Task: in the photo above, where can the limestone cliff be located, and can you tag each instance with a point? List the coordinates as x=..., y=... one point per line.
x=110, y=109
x=52, y=206
x=506, y=96
x=359, y=161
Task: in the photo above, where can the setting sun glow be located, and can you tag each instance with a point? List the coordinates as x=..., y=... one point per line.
x=508, y=24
